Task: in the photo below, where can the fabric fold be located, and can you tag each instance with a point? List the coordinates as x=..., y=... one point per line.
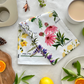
x=44, y=36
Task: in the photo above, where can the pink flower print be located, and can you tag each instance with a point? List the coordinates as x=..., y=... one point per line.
x=52, y=61
x=49, y=39
x=46, y=24
x=51, y=29
x=41, y=34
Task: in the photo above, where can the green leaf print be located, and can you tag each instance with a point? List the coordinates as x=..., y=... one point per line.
x=56, y=45
x=40, y=23
x=34, y=42
x=32, y=48
x=66, y=39
x=22, y=40
x=55, y=15
x=23, y=33
x=60, y=40
x=19, y=30
x=33, y=19
x=21, y=48
x=55, y=61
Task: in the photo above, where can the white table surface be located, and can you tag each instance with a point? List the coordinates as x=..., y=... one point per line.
x=10, y=35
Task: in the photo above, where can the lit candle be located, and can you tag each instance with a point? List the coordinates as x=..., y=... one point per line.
x=2, y=66
x=76, y=10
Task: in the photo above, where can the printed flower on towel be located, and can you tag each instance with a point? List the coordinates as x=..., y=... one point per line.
x=70, y=47
x=18, y=47
x=52, y=29
x=63, y=54
x=53, y=37
x=46, y=24
x=77, y=44
x=23, y=43
x=21, y=40
x=51, y=14
x=76, y=40
x=24, y=35
x=18, y=39
x=21, y=51
x=54, y=14
x=49, y=57
x=41, y=34
x=49, y=39
x=45, y=53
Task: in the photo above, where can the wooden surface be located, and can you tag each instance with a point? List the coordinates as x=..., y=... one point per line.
x=7, y=76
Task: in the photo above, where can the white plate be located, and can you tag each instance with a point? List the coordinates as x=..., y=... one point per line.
x=69, y=66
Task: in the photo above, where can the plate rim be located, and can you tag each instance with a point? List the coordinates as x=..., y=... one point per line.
x=67, y=63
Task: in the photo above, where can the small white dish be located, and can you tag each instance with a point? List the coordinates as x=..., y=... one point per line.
x=69, y=66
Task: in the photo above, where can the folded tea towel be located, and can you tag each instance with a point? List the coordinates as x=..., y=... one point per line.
x=44, y=40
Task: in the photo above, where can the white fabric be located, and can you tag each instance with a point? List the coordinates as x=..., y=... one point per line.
x=32, y=29
x=10, y=35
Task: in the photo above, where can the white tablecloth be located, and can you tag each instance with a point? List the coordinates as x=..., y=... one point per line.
x=10, y=35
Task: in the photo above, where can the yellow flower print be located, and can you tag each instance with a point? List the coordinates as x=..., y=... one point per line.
x=23, y=43
x=63, y=54
x=77, y=45
x=69, y=47
x=18, y=39
x=76, y=40
x=18, y=47
x=29, y=19
x=50, y=15
x=24, y=35
x=21, y=51
x=49, y=12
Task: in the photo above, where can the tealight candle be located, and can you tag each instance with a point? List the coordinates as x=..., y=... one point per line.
x=76, y=11
x=2, y=66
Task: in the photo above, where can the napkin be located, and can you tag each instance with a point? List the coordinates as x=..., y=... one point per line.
x=44, y=40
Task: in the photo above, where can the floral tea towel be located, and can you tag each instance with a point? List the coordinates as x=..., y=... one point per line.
x=44, y=40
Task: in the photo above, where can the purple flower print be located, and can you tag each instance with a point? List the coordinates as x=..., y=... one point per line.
x=39, y=48
x=44, y=51
x=52, y=61
x=35, y=51
x=49, y=57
